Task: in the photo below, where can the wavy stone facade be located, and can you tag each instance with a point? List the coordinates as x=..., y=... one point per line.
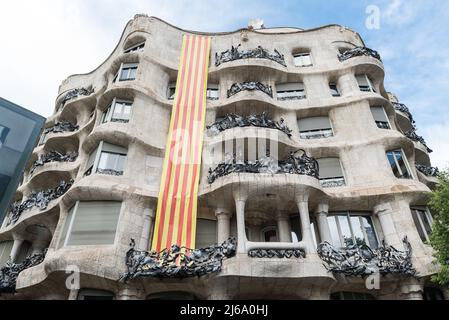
x=292, y=212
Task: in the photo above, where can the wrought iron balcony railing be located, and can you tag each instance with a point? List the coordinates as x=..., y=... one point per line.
x=75, y=93
x=53, y=156
x=39, y=199
x=412, y=135
x=383, y=125
x=262, y=121
x=357, y=52
x=177, y=262
x=60, y=127
x=260, y=53
x=428, y=170
x=250, y=86
x=110, y=172
x=301, y=165
x=362, y=260
x=10, y=272
x=316, y=134
x=403, y=108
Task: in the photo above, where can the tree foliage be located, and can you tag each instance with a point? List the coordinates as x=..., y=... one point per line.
x=439, y=239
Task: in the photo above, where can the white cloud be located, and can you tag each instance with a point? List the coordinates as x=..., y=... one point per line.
x=437, y=138
x=399, y=12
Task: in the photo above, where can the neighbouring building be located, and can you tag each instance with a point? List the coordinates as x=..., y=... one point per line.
x=312, y=180
x=19, y=131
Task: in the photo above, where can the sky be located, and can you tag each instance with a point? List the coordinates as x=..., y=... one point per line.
x=43, y=42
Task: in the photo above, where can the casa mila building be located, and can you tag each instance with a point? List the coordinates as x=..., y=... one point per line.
x=255, y=164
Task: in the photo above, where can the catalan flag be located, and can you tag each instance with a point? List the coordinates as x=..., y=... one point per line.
x=178, y=197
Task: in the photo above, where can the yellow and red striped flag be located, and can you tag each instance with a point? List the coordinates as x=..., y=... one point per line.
x=178, y=197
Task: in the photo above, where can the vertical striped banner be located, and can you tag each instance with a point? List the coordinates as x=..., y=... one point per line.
x=178, y=197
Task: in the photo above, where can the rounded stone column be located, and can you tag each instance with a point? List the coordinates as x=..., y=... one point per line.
x=147, y=229
x=223, y=225
x=16, y=249
x=303, y=206
x=129, y=293
x=283, y=223
x=323, y=225
x=384, y=213
x=240, y=202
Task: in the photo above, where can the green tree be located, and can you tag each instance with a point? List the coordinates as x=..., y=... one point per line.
x=439, y=239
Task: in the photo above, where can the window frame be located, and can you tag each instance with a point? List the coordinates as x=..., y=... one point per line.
x=300, y=55
x=342, y=172
x=404, y=157
x=347, y=215
x=371, y=86
x=118, y=75
x=72, y=220
x=94, y=168
x=333, y=83
x=316, y=137
x=139, y=47
x=291, y=97
x=107, y=115
x=213, y=87
x=171, y=85
x=386, y=117
x=416, y=211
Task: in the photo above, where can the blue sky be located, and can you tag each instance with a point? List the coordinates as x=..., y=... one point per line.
x=45, y=41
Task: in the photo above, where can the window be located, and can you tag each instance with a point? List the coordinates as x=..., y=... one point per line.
x=290, y=91
x=380, y=117
x=89, y=294
x=365, y=83
x=432, y=293
x=348, y=229
x=331, y=173
x=423, y=221
x=295, y=225
x=43, y=138
x=315, y=128
x=3, y=134
x=135, y=48
x=127, y=72
x=351, y=296
x=399, y=164
x=334, y=89
x=213, y=92
x=5, y=252
x=107, y=159
x=270, y=234
x=303, y=59
x=206, y=233
x=119, y=111
x=171, y=91
x=91, y=223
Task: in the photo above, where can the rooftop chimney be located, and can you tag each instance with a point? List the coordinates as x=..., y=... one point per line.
x=255, y=24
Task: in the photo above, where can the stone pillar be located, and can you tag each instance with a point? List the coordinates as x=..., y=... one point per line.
x=323, y=225
x=147, y=229
x=384, y=213
x=39, y=247
x=303, y=206
x=73, y=295
x=240, y=203
x=411, y=290
x=128, y=293
x=223, y=225
x=16, y=249
x=283, y=223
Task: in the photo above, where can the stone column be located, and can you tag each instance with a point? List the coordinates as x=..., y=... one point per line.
x=223, y=225
x=147, y=229
x=411, y=290
x=16, y=249
x=303, y=206
x=384, y=213
x=240, y=203
x=128, y=293
x=73, y=295
x=283, y=223
x=323, y=225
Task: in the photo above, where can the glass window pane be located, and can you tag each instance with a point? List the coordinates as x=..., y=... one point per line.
x=132, y=73
x=105, y=161
x=357, y=230
x=334, y=231
x=402, y=165
x=206, y=233
x=420, y=230
x=66, y=227
x=393, y=165
x=425, y=220
x=345, y=231
x=367, y=224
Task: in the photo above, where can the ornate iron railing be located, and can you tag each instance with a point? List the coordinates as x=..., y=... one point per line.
x=301, y=165
x=316, y=134
x=428, y=170
x=110, y=172
x=233, y=120
x=60, y=127
x=250, y=86
x=357, y=52
x=403, y=108
x=277, y=253
x=53, y=156
x=75, y=93
x=177, y=262
x=10, y=272
x=39, y=199
x=362, y=260
x=412, y=135
x=261, y=53
x=383, y=125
